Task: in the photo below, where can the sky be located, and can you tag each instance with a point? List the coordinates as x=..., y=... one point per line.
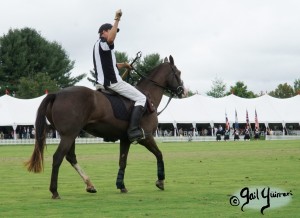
x=253, y=41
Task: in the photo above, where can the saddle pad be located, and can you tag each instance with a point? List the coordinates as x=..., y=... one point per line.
x=119, y=108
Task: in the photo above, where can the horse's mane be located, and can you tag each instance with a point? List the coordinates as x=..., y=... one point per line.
x=150, y=74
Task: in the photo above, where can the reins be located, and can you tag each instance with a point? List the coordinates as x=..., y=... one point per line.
x=170, y=91
x=170, y=98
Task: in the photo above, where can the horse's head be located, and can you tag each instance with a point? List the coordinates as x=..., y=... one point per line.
x=174, y=84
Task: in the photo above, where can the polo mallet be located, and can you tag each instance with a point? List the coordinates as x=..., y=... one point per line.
x=126, y=73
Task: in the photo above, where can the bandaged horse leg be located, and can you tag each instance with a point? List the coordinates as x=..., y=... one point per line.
x=124, y=148
x=71, y=158
x=89, y=186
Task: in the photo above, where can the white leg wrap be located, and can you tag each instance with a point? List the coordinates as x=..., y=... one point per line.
x=85, y=178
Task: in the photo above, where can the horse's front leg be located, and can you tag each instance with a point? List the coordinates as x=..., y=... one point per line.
x=124, y=149
x=160, y=173
x=150, y=144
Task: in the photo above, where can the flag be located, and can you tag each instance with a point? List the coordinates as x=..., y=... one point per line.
x=256, y=121
x=236, y=125
x=247, y=119
x=227, y=122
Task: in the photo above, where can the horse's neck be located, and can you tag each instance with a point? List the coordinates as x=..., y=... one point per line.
x=159, y=76
x=156, y=92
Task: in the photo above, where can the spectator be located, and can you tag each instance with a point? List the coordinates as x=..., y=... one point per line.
x=236, y=134
x=247, y=134
x=33, y=132
x=226, y=134
x=24, y=133
x=219, y=133
x=180, y=131
x=28, y=133
x=166, y=132
x=256, y=134
x=215, y=130
x=221, y=129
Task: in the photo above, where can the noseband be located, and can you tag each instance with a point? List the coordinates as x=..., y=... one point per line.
x=176, y=91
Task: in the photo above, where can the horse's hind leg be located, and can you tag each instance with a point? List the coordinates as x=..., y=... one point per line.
x=124, y=148
x=150, y=144
x=63, y=148
x=71, y=158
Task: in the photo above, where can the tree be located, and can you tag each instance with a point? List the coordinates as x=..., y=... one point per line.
x=297, y=86
x=283, y=91
x=35, y=86
x=240, y=89
x=24, y=53
x=191, y=93
x=144, y=66
x=148, y=63
x=93, y=78
x=218, y=88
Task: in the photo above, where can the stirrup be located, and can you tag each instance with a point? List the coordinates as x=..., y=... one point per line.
x=138, y=137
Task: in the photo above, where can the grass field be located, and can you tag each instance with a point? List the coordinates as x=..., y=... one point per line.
x=200, y=179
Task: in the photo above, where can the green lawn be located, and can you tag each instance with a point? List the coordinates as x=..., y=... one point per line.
x=200, y=179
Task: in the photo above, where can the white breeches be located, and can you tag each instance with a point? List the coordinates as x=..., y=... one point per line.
x=130, y=92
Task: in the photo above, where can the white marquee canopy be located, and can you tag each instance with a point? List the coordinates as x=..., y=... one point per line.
x=194, y=109
x=205, y=109
x=14, y=111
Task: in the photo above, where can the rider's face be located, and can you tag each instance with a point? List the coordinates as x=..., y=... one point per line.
x=105, y=33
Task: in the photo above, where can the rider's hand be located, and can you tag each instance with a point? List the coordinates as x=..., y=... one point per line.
x=118, y=15
x=127, y=66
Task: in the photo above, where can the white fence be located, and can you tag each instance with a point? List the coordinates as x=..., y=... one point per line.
x=158, y=139
x=282, y=137
x=49, y=141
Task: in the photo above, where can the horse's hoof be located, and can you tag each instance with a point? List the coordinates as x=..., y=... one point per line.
x=160, y=184
x=91, y=189
x=56, y=197
x=123, y=190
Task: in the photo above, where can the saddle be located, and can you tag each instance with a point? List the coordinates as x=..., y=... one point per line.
x=121, y=109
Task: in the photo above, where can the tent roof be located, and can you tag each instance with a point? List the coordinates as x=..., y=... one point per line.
x=194, y=109
x=204, y=109
x=15, y=111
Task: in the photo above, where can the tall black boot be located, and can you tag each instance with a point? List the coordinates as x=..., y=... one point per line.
x=134, y=131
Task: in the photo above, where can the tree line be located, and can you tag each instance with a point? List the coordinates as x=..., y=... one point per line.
x=30, y=65
x=218, y=90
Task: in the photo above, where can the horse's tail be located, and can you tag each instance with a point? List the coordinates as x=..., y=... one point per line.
x=36, y=162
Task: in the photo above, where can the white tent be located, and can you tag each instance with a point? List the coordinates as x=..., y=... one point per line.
x=194, y=109
x=14, y=111
x=204, y=109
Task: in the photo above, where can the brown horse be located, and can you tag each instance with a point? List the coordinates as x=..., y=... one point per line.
x=79, y=108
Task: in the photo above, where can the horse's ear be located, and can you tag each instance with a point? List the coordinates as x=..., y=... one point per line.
x=171, y=60
x=166, y=60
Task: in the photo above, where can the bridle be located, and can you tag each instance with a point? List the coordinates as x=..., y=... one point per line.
x=173, y=91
